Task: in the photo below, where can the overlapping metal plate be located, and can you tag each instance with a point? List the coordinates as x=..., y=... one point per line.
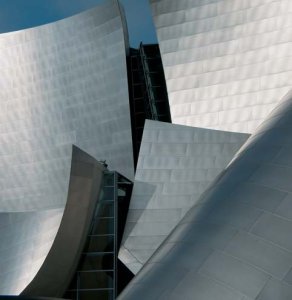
x=236, y=242
x=227, y=62
x=176, y=165
x=61, y=84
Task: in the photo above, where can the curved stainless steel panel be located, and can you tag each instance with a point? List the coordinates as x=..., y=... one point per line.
x=176, y=165
x=38, y=251
x=60, y=264
x=25, y=240
x=227, y=62
x=61, y=84
x=236, y=242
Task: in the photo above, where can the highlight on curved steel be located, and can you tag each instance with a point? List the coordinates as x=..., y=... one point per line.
x=176, y=165
x=61, y=84
x=39, y=253
x=59, y=266
x=227, y=62
x=26, y=238
x=235, y=243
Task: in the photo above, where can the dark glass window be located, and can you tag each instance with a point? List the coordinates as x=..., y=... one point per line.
x=96, y=295
x=92, y=280
x=99, y=261
x=101, y=244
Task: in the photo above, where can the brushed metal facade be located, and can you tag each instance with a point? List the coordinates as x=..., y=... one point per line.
x=227, y=62
x=58, y=268
x=38, y=252
x=25, y=240
x=176, y=165
x=235, y=243
x=61, y=84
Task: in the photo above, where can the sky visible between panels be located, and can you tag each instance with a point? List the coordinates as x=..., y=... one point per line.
x=19, y=14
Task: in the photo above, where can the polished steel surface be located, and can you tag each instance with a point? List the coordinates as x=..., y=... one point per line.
x=227, y=62
x=176, y=165
x=60, y=264
x=25, y=240
x=61, y=84
x=235, y=243
x=37, y=250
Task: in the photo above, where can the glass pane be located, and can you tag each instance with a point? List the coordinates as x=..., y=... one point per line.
x=103, y=226
x=96, y=295
x=105, y=209
x=95, y=280
x=97, y=262
x=70, y=295
x=121, y=192
x=109, y=179
x=100, y=244
x=107, y=193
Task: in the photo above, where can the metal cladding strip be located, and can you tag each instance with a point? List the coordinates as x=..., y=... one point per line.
x=60, y=264
x=235, y=243
x=176, y=165
x=61, y=84
x=227, y=62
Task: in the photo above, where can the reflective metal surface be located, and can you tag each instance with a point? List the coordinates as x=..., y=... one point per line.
x=98, y=274
x=227, y=62
x=25, y=240
x=60, y=264
x=37, y=249
x=235, y=243
x=176, y=165
x=61, y=84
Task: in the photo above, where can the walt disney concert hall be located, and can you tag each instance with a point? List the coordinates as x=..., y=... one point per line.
x=157, y=173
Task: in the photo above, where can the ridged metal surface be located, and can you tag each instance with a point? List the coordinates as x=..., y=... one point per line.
x=227, y=62
x=61, y=84
x=236, y=242
x=176, y=165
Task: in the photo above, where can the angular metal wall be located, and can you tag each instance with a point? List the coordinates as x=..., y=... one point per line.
x=61, y=84
x=236, y=242
x=227, y=62
x=176, y=165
